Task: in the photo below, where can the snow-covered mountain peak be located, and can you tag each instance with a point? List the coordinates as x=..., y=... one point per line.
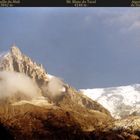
x=15, y=50
x=15, y=60
x=120, y=101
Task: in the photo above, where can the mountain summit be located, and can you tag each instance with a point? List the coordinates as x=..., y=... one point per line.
x=15, y=60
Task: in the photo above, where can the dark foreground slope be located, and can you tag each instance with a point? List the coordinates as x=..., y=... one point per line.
x=28, y=122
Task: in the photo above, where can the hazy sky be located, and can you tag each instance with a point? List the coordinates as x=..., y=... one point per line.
x=87, y=47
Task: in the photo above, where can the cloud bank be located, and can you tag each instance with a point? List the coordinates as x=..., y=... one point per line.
x=13, y=83
x=55, y=89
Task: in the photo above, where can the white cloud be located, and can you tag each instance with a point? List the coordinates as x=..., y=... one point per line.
x=13, y=83
x=124, y=19
x=126, y=22
x=134, y=26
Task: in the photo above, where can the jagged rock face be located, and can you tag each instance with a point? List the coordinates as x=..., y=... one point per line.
x=16, y=61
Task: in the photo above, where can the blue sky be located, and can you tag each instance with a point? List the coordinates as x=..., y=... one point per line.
x=87, y=47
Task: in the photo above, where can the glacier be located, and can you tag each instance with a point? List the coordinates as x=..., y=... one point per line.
x=121, y=101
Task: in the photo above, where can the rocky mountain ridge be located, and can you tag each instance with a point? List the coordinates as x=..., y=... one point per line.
x=15, y=60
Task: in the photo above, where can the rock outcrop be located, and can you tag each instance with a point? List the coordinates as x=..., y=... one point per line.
x=15, y=60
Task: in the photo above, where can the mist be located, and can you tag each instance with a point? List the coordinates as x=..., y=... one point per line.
x=14, y=83
x=55, y=89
